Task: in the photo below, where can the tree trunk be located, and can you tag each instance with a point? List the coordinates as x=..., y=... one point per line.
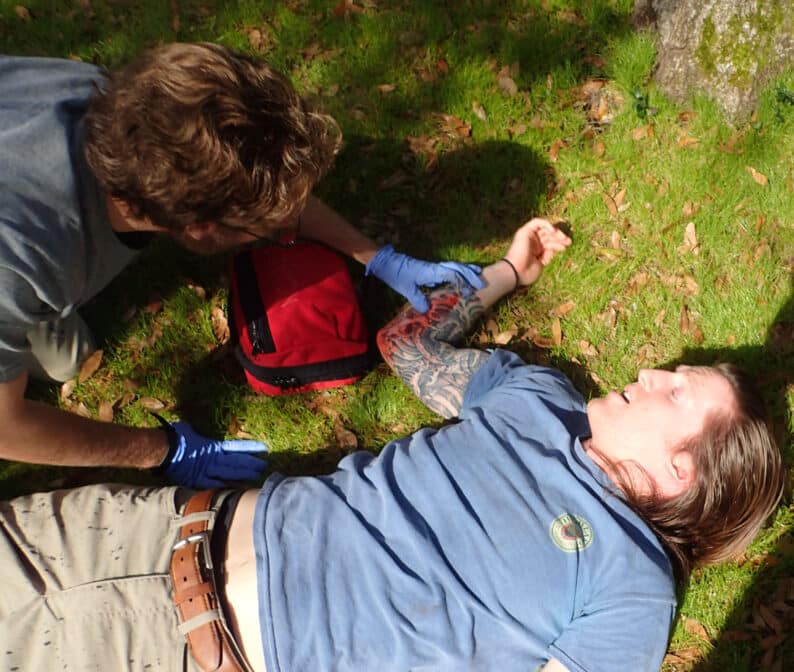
x=728, y=48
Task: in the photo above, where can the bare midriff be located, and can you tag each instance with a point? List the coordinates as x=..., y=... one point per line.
x=239, y=573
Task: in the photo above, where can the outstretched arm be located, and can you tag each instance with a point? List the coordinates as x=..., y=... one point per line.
x=402, y=273
x=420, y=348
x=320, y=222
x=31, y=431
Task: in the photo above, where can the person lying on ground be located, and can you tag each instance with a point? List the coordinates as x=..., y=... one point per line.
x=213, y=149
x=535, y=532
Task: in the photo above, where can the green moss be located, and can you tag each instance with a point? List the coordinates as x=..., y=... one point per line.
x=705, y=50
x=746, y=42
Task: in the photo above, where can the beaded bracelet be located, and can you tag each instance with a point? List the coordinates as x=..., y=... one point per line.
x=515, y=272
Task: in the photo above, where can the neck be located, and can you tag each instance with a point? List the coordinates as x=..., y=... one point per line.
x=601, y=462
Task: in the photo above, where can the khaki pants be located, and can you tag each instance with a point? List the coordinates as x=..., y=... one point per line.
x=58, y=348
x=84, y=581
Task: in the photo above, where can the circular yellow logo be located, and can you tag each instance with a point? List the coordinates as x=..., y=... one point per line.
x=571, y=533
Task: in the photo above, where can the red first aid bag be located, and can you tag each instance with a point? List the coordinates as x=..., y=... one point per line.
x=295, y=319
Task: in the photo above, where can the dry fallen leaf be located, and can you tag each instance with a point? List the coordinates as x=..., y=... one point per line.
x=543, y=341
x=639, y=279
x=640, y=133
x=67, y=388
x=696, y=628
x=90, y=366
x=479, y=111
x=22, y=12
x=154, y=306
x=385, y=88
x=346, y=7
x=80, y=409
x=344, y=437
x=610, y=203
x=151, y=404
x=687, y=141
x=563, y=309
x=556, y=331
x=105, y=413
x=680, y=656
x=608, y=253
x=684, y=322
x=760, y=178
x=220, y=325
x=587, y=349
x=688, y=285
x=646, y=354
x=599, y=148
x=690, y=240
x=455, y=126
x=614, y=240
x=198, y=290
x=311, y=51
x=689, y=209
x=255, y=39
x=507, y=85
x=175, y=22
x=554, y=151
x=504, y=337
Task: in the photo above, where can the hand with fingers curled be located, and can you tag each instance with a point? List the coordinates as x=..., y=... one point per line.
x=534, y=245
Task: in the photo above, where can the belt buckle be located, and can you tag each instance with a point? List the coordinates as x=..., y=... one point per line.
x=202, y=539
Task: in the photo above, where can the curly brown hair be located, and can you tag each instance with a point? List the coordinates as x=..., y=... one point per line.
x=739, y=480
x=193, y=133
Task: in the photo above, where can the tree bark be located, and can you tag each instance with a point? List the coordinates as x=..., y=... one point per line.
x=729, y=49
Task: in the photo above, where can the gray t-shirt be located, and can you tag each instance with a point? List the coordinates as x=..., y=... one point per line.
x=57, y=249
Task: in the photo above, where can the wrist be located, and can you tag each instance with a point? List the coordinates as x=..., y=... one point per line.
x=515, y=272
x=378, y=259
x=171, y=443
x=499, y=281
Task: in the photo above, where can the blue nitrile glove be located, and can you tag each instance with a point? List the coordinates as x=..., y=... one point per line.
x=406, y=275
x=196, y=461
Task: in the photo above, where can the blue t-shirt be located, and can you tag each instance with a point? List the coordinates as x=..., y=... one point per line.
x=490, y=544
x=57, y=248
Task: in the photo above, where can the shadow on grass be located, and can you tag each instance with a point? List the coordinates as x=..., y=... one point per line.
x=773, y=367
x=428, y=219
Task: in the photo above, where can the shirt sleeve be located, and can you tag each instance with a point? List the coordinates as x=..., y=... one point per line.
x=629, y=634
x=498, y=370
x=20, y=309
x=506, y=373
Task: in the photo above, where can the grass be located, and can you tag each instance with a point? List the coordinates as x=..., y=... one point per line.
x=644, y=293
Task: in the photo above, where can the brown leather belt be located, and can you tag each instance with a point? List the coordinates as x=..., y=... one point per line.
x=195, y=593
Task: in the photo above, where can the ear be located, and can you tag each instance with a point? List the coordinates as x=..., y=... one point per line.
x=123, y=220
x=199, y=230
x=682, y=468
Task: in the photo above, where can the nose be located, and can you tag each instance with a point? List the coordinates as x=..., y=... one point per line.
x=644, y=378
x=652, y=378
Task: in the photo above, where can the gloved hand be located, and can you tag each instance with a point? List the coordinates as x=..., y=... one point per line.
x=406, y=275
x=196, y=461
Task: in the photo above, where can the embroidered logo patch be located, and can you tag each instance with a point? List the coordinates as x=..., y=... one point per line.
x=571, y=533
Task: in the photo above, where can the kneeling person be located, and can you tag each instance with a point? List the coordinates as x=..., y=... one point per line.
x=536, y=532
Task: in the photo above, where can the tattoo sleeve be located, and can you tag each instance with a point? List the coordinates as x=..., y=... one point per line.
x=420, y=349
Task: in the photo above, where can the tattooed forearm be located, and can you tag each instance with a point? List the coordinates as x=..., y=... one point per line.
x=419, y=349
